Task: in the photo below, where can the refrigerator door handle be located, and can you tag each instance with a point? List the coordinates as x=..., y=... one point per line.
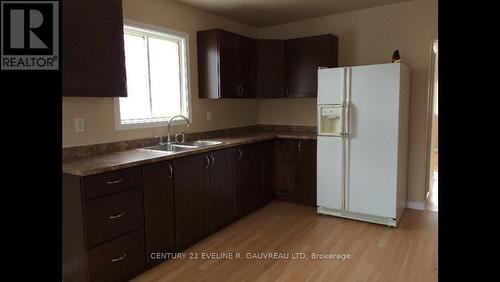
x=346, y=139
x=347, y=103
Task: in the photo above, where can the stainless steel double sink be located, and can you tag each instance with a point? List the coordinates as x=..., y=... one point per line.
x=182, y=147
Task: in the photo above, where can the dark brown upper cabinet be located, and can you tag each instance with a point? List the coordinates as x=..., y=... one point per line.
x=225, y=64
x=93, y=58
x=270, y=68
x=303, y=58
x=234, y=66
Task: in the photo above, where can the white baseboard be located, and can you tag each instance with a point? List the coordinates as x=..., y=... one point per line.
x=415, y=205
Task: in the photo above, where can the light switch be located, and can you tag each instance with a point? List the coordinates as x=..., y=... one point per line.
x=209, y=116
x=79, y=125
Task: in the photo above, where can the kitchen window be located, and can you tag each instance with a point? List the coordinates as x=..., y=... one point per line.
x=156, y=63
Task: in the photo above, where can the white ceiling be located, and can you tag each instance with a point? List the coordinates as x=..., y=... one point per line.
x=263, y=13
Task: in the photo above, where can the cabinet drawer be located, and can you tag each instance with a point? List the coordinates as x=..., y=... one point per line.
x=119, y=259
x=107, y=183
x=114, y=215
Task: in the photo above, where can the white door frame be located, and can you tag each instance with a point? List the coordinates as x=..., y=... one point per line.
x=430, y=112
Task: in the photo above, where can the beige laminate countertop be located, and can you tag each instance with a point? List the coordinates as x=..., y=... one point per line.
x=124, y=159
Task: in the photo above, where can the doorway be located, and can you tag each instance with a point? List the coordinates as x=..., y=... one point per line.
x=432, y=185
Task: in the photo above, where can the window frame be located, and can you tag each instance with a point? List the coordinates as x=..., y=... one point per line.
x=185, y=79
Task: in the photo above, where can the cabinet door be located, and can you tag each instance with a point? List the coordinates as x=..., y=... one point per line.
x=269, y=171
x=306, y=172
x=221, y=210
x=208, y=64
x=249, y=178
x=245, y=48
x=227, y=64
x=270, y=68
x=303, y=57
x=191, y=192
x=158, y=182
x=286, y=165
x=93, y=59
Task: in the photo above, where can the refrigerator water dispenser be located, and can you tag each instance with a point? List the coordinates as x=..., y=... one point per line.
x=330, y=120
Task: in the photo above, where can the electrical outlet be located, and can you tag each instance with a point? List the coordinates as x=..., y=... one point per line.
x=79, y=125
x=209, y=116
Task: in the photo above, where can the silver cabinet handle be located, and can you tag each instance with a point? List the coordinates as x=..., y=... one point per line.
x=299, y=146
x=213, y=160
x=241, y=154
x=208, y=161
x=119, y=258
x=171, y=171
x=115, y=181
x=116, y=216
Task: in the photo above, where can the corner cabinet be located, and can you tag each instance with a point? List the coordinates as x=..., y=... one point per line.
x=235, y=66
x=225, y=64
x=270, y=68
x=93, y=57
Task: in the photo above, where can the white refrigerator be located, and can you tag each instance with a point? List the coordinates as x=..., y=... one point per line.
x=363, y=115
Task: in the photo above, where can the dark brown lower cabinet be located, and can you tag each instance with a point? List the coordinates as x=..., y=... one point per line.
x=306, y=172
x=269, y=190
x=103, y=237
x=249, y=191
x=221, y=206
x=118, y=260
x=295, y=175
x=159, y=219
x=191, y=193
x=286, y=166
x=204, y=195
x=120, y=223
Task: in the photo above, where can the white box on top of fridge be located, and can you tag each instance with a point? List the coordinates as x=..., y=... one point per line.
x=363, y=115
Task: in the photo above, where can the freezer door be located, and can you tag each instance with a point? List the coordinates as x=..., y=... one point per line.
x=329, y=172
x=373, y=140
x=331, y=86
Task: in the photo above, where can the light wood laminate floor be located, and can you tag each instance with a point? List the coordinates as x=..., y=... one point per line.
x=377, y=253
